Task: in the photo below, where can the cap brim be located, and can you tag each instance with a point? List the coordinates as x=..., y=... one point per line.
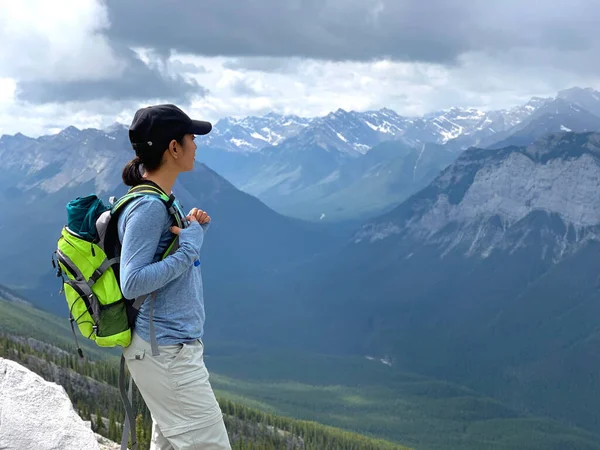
x=200, y=127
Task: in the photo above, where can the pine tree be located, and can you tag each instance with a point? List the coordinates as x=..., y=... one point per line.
x=113, y=433
x=143, y=438
x=99, y=424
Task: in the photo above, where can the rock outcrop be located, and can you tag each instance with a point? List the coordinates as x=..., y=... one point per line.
x=37, y=414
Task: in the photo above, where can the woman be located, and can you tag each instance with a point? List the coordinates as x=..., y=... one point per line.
x=165, y=357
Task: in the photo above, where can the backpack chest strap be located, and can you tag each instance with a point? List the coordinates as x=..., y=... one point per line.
x=103, y=268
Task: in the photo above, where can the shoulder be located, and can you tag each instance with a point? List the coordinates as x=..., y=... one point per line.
x=147, y=209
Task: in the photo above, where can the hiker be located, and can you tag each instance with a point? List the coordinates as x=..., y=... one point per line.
x=165, y=357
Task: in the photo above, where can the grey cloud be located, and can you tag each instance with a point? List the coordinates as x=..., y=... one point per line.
x=415, y=30
x=179, y=67
x=138, y=81
x=264, y=64
x=241, y=87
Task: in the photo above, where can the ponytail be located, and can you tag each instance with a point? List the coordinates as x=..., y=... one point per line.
x=132, y=175
x=151, y=158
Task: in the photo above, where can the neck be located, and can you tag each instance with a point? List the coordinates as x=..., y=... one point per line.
x=165, y=179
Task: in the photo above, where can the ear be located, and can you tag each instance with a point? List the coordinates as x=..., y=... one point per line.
x=173, y=148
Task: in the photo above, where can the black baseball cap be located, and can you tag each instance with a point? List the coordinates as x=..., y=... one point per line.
x=158, y=125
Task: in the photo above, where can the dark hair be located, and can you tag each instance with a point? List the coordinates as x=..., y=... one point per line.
x=150, y=159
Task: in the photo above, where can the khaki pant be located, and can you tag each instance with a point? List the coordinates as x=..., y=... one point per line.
x=176, y=389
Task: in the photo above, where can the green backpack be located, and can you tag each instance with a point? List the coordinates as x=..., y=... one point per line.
x=88, y=252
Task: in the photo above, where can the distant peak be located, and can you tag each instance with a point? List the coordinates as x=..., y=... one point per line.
x=389, y=112
x=273, y=115
x=18, y=135
x=116, y=126
x=537, y=99
x=340, y=112
x=70, y=130
x=229, y=120
x=576, y=89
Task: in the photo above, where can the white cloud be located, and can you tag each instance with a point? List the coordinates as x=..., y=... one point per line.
x=7, y=91
x=55, y=40
x=60, y=42
x=316, y=88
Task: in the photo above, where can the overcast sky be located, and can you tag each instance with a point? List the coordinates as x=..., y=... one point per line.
x=93, y=62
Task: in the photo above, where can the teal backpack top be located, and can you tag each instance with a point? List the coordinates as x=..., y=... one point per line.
x=87, y=260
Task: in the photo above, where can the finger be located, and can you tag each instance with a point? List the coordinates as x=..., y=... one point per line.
x=193, y=212
x=175, y=230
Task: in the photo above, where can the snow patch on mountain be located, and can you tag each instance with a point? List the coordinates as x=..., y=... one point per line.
x=341, y=137
x=250, y=134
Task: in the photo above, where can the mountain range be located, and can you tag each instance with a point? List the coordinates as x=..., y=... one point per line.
x=42, y=175
x=485, y=275
x=318, y=169
x=356, y=132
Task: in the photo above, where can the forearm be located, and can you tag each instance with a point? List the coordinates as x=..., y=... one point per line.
x=146, y=279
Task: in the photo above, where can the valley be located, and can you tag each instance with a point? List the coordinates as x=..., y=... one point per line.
x=348, y=393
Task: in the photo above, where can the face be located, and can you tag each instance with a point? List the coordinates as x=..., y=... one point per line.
x=185, y=155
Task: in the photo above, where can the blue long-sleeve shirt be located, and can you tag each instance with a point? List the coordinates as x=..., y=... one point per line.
x=144, y=232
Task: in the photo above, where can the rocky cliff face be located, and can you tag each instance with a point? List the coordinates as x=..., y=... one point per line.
x=36, y=414
x=481, y=201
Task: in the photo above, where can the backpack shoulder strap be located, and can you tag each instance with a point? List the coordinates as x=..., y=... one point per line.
x=150, y=188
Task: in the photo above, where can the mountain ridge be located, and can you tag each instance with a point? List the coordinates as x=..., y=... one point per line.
x=448, y=125
x=53, y=170
x=490, y=186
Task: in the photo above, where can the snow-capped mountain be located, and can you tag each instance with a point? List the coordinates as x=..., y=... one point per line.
x=587, y=98
x=491, y=126
x=254, y=133
x=553, y=116
x=351, y=133
x=354, y=132
x=455, y=122
x=518, y=114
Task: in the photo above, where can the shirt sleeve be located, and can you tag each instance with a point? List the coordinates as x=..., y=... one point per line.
x=144, y=223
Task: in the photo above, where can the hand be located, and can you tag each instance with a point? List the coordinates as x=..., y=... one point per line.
x=201, y=216
x=176, y=230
